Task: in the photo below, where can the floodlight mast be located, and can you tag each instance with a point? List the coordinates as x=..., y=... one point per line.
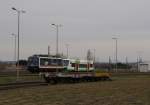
x=18, y=54
x=15, y=37
x=116, y=61
x=57, y=41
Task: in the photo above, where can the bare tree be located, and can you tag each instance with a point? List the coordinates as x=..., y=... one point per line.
x=89, y=55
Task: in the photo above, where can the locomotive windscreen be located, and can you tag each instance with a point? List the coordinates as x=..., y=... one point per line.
x=33, y=61
x=65, y=62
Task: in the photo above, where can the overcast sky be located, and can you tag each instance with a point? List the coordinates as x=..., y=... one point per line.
x=87, y=24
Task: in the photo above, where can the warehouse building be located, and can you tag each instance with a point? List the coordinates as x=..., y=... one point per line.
x=144, y=66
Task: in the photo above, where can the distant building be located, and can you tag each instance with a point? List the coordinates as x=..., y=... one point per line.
x=144, y=66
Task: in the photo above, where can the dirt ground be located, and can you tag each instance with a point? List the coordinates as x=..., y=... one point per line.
x=121, y=91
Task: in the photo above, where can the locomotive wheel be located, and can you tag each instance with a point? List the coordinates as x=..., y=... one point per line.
x=52, y=81
x=47, y=79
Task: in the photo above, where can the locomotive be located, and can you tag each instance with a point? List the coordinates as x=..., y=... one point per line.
x=58, y=69
x=41, y=63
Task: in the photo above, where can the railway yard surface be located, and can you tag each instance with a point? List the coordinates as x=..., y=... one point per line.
x=122, y=90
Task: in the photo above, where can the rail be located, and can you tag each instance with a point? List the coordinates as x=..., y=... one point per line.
x=21, y=85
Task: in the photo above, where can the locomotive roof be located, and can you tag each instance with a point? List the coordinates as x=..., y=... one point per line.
x=46, y=55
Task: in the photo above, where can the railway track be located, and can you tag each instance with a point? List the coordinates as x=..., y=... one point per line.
x=21, y=85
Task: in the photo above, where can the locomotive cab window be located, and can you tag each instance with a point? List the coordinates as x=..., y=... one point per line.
x=44, y=62
x=91, y=65
x=65, y=62
x=73, y=64
x=59, y=62
x=32, y=61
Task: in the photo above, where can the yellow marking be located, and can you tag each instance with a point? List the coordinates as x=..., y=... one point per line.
x=102, y=74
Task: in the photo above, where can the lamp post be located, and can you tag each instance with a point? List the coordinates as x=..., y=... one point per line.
x=18, y=54
x=49, y=50
x=15, y=36
x=94, y=55
x=67, y=47
x=116, y=52
x=57, y=29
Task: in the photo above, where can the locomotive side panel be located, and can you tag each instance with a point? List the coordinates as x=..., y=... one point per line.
x=47, y=64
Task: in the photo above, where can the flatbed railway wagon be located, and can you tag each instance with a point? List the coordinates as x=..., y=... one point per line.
x=56, y=70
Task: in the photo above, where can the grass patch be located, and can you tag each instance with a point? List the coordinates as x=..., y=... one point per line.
x=11, y=79
x=4, y=80
x=121, y=91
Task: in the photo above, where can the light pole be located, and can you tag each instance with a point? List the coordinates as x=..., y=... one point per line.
x=15, y=36
x=49, y=48
x=67, y=47
x=57, y=29
x=94, y=55
x=18, y=13
x=116, y=52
